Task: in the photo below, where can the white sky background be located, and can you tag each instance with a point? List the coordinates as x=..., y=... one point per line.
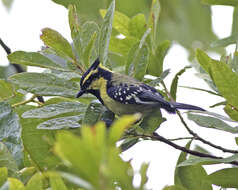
x=20, y=30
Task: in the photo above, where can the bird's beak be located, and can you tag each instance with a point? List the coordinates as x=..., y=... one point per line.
x=80, y=93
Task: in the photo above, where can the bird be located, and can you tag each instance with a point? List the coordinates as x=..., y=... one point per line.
x=125, y=95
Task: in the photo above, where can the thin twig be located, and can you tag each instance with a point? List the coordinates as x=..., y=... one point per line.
x=157, y=137
x=24, y=102
x=197, y=137
x=181, y=138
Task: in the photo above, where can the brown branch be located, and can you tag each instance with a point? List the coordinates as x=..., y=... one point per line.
x=197, y=137
x=157, y=137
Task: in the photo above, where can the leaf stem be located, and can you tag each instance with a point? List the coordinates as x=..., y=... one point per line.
x=25, y=101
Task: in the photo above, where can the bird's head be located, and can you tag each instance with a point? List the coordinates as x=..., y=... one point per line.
x=93, y=78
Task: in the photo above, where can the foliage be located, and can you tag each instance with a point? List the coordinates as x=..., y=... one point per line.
x=61, y=144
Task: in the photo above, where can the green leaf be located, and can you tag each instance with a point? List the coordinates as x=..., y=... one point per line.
x=152, y=121
x=225, y=80
x=6, y=90
x=74, y=23
x=76, y=180
x=226, y=178
x=204, y=60
x=7, y=160
x=155, y=66
x=174, y=85
x=10, y=131
x=221, y=2
x=128, y=143
x=207, y=161
x=36, y=182
x=45, y=84
x=138, y=58
x=174, y=187
x=234, y=62
x=212, y=122
x=225, y=41
x=158, y=80
x=93, y=113
x=200, y=89
x=26, y=173
x=34, y=59
x=121, y=46
x=37, y=143
x=56, y=181
x=154, y=17
x=58, y=43
x=184, y=176
x=143, y=173
x=15, y=184
x=67, y=3
x=231, y=111
x=7, y=3
x=235, y=22
x=69, y=122
x=88, y=50
x=118, y=128
x=120, y=22
x=3, y=175
x=137, y=26
x=54, y=110
x=105, y=33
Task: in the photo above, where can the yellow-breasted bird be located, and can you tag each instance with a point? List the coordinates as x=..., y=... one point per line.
x=122, y=94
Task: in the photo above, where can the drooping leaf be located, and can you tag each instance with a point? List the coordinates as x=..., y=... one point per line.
x=45, y=84
x=58, y=43
x=35, y=59
x=155, y=66
x=220, y=2
x=10, y=131
x=212, y=122
x=226, y=178
x=69, y=122
x=174, y=85
x=54, y=110
x=105, y=33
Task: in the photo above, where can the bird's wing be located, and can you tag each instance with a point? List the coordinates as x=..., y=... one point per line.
x=136, y=94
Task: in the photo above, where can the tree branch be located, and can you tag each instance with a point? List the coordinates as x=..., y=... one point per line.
x=197, y=137
x=157, y=137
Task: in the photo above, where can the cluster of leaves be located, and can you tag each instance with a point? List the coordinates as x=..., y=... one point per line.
x=36, y=151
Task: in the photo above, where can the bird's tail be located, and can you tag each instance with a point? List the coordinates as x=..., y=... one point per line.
x=177, y=105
